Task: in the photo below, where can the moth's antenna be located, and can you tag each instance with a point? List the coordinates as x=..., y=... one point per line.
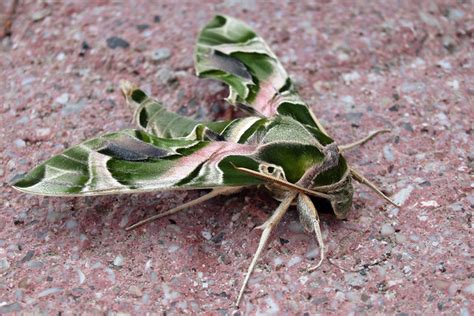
x=362, y=141
x=360, y=178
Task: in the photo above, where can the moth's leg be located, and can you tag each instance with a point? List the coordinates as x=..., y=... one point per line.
x=267, y=229
x=362, y=141
x=205, y=197
x=360, y=178
x=309, y=218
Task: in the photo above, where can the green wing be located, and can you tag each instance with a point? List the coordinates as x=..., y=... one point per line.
x=230, y=51
x=152, y=117
x=132, y=161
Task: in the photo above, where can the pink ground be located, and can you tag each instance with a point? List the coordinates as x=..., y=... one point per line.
x=392, y=64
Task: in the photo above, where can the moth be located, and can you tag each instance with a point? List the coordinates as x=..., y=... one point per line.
x=279, y=145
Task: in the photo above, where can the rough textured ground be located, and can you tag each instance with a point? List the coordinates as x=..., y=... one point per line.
x=404, y=65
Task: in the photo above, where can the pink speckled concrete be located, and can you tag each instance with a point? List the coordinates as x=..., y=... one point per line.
x=403, y=65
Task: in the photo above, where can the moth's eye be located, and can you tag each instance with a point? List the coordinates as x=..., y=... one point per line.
x=271, y=169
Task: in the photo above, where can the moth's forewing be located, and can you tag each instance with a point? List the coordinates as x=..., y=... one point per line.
x=132, y=161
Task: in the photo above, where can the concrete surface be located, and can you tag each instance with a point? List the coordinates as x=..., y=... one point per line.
x=404, y=65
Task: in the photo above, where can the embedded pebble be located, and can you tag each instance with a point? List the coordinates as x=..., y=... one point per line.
x=206, y=235
x=410, y=87
x=173, y=248
x=312, y=254
x=388, y=153
x=74, y=107
x=62, y=99
x=81, y=276
x=4, y=264
x=454, y=84
x=455, y=14
x=40, y=15
x=350, y=77
x=278, y=261
x=135, y=291
x=117, y=42
x=118, y=261
x=9, y=308
x=294, y=260
x=50, y=291
x=19, y=143
x=28, y=80
x=110, y=275
x=43, y=132
x=168, y=294
x=387, y=230
x=354, y=279
x=71, y=224
x=402, y=196
x=469, y=289
x=445, y=65
x=160, y=54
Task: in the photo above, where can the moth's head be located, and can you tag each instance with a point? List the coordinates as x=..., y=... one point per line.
x=340, y=202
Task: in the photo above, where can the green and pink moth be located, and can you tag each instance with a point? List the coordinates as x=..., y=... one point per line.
x=280, y=146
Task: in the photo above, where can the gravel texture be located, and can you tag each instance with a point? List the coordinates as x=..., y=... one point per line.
x=404, y=65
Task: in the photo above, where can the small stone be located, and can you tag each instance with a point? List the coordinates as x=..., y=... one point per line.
x=84, y=48
x=62, y=99
x=294, y=260
x=39, y=15
x=10, y=308
x=409, y=87
x=71, y=108
x=71, y=224
x=157, y=19
x=117, y=42
x=35, y=264
x=43, y=132
x=206, y=235
x=19, y=143
x=50, y=291
x=455, y=14
x=165, y=75
x=61, y=56
x=28, y=256
x=81, y=276
x=118, y=261
x=408, y=127
x=4, y=264
x=388, y=153
x=354, y=279
x=142, y=27
x=387, y=230
x=445, y=65
x=160, y=54
x=400, y=239
x=135, y=291
x=402, y=196
x=469, y=289
x=449, y=43
x=429, y=19
x=350, y=77
x=394, y=108
x=454, y=84
x=28, y=80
